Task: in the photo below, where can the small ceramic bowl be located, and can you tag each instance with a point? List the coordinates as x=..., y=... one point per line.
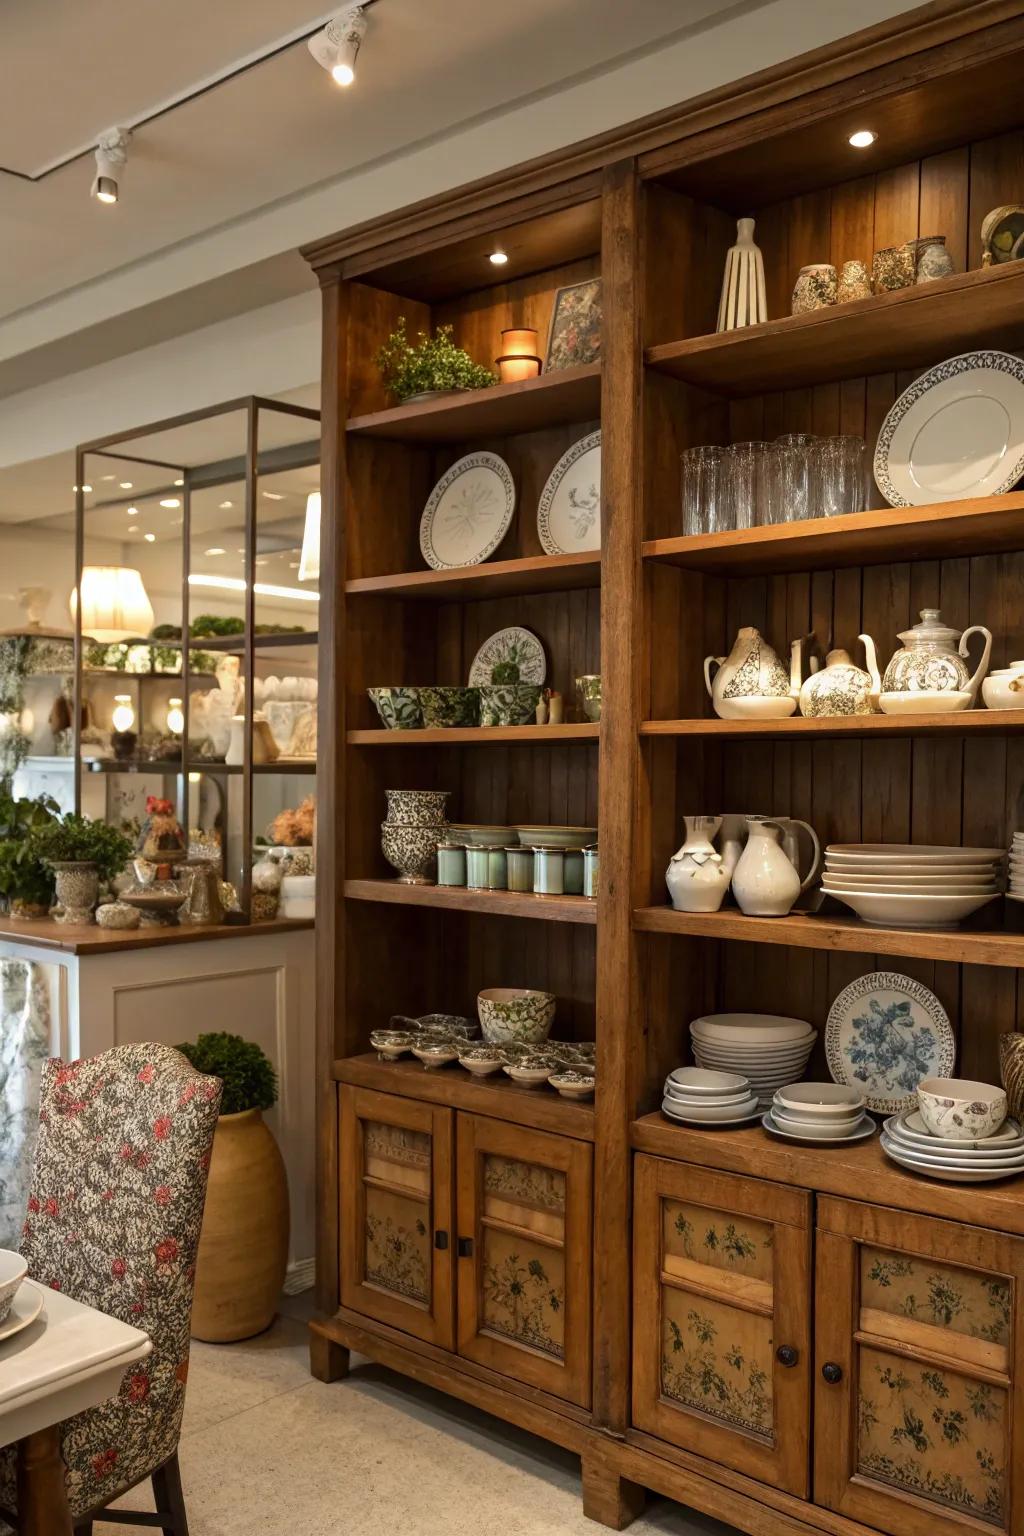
x=481, y=1060
x=517, y=1014
x=13, y=1269
x=434, y=1053
x=449, y=707
x=509, y=703
x=925, y=701
x=820, y=1101
x=699, y=1082
x=417, y=807
x=958, y=1109
x=390, y=1044
x=398, y=708
x=572, y=1084
x=532, y=1071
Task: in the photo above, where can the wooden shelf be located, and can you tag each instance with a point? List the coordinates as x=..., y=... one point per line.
x=964, y=945
x=542, y=1108
x=110, y=765
x=573, y=394
x=497, y=578
x=984, y=525
x=850, y=1171
x=966, y=722
x=914, y=325
x=476, y=736
x=233, y=643
x=547, y=909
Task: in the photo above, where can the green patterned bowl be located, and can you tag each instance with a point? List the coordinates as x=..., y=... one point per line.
x=516, y=1014
x=509, y=703
x=449, y=707
x=399, y=708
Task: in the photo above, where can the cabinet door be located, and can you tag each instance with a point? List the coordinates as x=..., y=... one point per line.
x=918, y=1410
x=721, y=1323
x=524, y=1205
x=396, y=1209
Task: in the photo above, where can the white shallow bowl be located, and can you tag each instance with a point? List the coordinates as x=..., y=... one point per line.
x=913, y=883
x=685, y=1116
x=833, y=1100
x=1010, y=1160
x=902, y=1129
x=820, y=1130
x=695, y=1111
x=746, y=1027
x=933, y=701
x=698, y=1080
x=960, y=1109
x=888, y=911
x=864, y=1128
x=13, y=1269
x=971, y=1175
x=732, y=1097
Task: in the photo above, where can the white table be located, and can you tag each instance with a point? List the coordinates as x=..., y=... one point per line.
x=71, y=1358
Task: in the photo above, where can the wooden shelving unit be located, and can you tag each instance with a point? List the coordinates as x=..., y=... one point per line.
x=781, y=1445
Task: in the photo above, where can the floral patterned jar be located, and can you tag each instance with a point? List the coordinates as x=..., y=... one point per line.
x=894, y=267
x=854, y=282
x=816, y=288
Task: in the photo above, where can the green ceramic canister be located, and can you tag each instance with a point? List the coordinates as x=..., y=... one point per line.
x=549, y=871
x=519, y=868
x=451, y=864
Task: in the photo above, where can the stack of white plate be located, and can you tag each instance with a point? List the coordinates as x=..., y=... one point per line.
x=1016, y=887
x=767, y=1050
x=909, y=1142
x=696, y=1097
x=912, y=885
x=819, y=1112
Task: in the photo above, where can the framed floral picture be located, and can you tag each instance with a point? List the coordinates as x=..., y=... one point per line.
x=575, y=334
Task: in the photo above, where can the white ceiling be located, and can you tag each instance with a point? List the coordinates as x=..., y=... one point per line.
x=72, y=70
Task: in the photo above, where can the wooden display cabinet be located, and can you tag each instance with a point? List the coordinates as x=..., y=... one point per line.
x=653, y=211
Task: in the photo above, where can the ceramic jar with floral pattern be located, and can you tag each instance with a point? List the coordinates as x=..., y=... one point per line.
x=816, y=288
x=932, y=260
x=515, y=1014
x=894, y=267
x=78, y=890
x=854, y=282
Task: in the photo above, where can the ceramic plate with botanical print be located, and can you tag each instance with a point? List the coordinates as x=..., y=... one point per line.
x=575, y=334
x=885, y=1033
x=508, y=648
x=468, y=512
x=569, y=513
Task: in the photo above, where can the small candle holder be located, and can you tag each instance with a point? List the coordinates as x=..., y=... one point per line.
x=519, y=359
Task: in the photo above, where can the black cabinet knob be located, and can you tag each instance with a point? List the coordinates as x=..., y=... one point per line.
x=787, y=1355
x=440, y=1240
x=464, y=1247
x=832, y=1372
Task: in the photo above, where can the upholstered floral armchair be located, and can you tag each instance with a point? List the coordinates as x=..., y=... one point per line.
x=114, y=1216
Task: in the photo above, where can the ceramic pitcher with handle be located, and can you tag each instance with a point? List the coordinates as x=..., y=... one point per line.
x=767, y=881
x=751, y=682
x=697, y=879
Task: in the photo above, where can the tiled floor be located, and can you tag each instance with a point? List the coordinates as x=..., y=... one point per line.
x=267, y=1451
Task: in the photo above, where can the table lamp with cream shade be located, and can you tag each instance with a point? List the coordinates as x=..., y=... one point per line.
x=115, y=604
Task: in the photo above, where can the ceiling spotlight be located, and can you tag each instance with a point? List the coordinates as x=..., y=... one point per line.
x=170, y=501
x=126, y=485
x=179, y=482
x=225, y=504
x=863, y=138
x=336, y=47
x=85, y=488
x=133, y=511
x=111, y=155
x=216, y=550
x=150, y=538
x=497, y=258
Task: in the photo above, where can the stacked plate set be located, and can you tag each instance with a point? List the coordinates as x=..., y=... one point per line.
x=819, y=1112
x=1015, y=890
x=912, y=885
x=958, y=1133
x=694, y=1096
x=766, y=1050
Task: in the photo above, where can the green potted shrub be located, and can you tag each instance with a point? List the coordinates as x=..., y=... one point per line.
x=243, y=1248
x=26, y=880
x=82, y=854
x=433, y=366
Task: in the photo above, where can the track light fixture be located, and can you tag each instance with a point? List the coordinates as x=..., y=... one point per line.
x=336, y=47
x=111, y=155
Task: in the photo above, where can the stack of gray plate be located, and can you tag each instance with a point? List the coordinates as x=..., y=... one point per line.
x=696, y=1097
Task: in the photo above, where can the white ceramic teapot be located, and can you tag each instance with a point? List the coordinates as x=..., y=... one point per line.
x=842, y=688
x=933, y=659
x=696, y=877
x=766, y=882
x=751, y=682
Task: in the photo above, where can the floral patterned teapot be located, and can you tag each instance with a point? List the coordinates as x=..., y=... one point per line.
x=932, y=660
x=751, y=681
x=841, y=687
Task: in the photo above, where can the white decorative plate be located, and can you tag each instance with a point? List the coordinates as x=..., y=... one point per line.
x=468, y=512
x=958, y=431
x=885, y=1034
x=26, y=1307
x=945, y=1175
x=569, y=512
x=512, y=644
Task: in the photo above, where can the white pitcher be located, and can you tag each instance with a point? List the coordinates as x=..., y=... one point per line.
x=766, y=883
x=696, y=877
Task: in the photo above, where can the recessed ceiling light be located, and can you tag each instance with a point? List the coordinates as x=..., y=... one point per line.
x=108, y=477
x=497, y=258
x=273, y=495
x=133, y=511
x=132, y=528
x=179, y=482
x=863, y=138
x=170, y=501
x=126, y=485
x=261, y=562
x=225, y=505
x=216, y=550
x=150, y=538
x=85, y=488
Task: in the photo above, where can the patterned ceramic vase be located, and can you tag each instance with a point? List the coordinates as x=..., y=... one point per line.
x=78, y=889
x=854, y=282
x=412, y=851
x=932, y=259
x=414, y=807
x=816, y=288
x=509, y=703
x=894, y=267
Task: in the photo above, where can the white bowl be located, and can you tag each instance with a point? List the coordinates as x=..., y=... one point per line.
x=830, y=1099
x=888, y=911
x=713, y=1112
x=933, y=701
x=959, y=1109
x=817, y=1130
x=697, y=1080
x=13, y=1269
x=680, y=1097
x=912, y=883
x=746, y=1027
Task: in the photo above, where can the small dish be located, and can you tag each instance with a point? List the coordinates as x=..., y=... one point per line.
x=698, y=1080
x=531, y=1072
x=821, y=1100
x=573, y=1085
x=25, y=1308
x=710, y=1111
x=680, y=1096
x=861, y=1132
x=672, y=1111
x=481, y=1060
x=434, y=1053
x=816, y=1130
x=448, y=1025
x=390, y=1044
x=13, y=1269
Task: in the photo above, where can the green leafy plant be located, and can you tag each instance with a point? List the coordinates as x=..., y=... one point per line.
x=250, y=1081
x=435, y=362
x=209, y=625
x=24, y=876
x=75, y=839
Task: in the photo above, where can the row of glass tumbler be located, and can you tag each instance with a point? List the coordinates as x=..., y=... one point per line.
x=795, y=476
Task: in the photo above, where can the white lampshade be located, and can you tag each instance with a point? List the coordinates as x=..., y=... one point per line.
x=309, y=560
x=115, y=605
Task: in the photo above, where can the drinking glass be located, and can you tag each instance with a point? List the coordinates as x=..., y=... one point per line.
x=743, y=468
x=702, y=490
x=838, y=475
x=772, y=503
x=794, y=470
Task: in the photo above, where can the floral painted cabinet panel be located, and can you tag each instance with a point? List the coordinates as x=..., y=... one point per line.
x=918, y=1378
x=524, y=1209
x=721, y=1329
x=396, y=1206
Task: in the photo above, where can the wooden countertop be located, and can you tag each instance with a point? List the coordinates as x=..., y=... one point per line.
x=44, y=933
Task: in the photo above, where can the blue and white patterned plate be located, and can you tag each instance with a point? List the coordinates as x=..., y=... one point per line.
x=885, y=1034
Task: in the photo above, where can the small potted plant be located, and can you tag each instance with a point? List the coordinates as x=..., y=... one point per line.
x=243, y=1247
x=83, y=854
x=26, y=880
x=434, y=366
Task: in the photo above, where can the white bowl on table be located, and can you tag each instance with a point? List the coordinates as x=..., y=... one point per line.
x=832, y=1101
x=699, y=1081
